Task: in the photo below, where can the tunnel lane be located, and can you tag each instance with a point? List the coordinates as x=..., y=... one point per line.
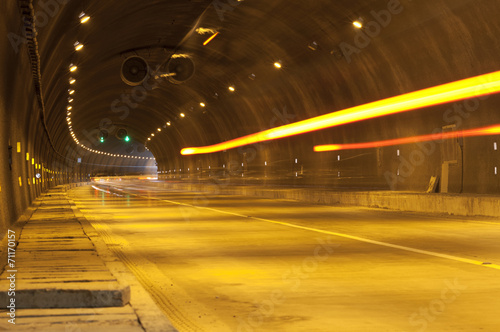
x=227, y=263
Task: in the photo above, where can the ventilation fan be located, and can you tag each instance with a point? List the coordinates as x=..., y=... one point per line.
x=134, y=70
x=180, y=69
x=121, y=133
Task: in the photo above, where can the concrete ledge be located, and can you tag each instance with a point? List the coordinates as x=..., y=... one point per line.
x=118, y=319
x=54, y=263
x=452, y=204
x=69, y=295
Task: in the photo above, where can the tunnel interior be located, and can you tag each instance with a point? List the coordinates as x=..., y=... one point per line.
x=241, y=67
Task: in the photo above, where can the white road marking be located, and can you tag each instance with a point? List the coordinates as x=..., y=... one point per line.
x=347, y=236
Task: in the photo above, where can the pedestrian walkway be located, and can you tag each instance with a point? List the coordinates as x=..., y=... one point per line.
x=57, y=279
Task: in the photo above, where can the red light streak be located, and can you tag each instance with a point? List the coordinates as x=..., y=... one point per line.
x=485, y=131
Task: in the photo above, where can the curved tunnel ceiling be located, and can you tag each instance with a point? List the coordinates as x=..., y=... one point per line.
x=326, y=65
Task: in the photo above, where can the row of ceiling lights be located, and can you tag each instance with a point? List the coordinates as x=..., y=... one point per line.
x=231, y=88
x=72, y=68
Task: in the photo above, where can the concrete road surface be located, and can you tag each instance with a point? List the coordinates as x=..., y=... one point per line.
x=233, y=263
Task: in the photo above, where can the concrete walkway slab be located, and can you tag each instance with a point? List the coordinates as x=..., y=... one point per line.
x=82, y=319
x=56, y=264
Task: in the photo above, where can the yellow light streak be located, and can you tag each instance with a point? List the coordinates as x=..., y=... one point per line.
x=446, y=93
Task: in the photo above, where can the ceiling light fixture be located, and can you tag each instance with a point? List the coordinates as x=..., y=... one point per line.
x=78, y=46
x=210, y=39
x=83, y=18
x=357, y=24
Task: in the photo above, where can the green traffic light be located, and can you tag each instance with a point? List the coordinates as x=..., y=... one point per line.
x=102, y=139
x=127, y=138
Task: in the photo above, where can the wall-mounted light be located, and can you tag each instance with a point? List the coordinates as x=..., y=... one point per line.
x=72, y=80
x=202, y=104
x=168, y=123
x=277, y=64
x=182, y=115
x=313, y=46
x=71, y=91
x=83, y=18
x=232, y=88
x=72, y=67
x=78, y=46
x=358, y=24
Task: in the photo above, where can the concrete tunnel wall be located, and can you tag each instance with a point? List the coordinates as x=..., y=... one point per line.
x=424, y=44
